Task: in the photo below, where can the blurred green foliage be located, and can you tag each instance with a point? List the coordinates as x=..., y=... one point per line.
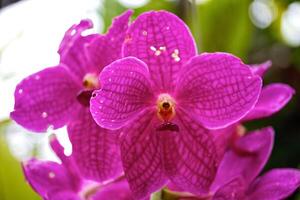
x=12, y=181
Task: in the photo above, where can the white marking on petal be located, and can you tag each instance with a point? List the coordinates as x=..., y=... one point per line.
x=44, y=114
x=51, y=175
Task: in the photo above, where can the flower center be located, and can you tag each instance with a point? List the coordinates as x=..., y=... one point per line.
x=165, y=107
x=90, y=81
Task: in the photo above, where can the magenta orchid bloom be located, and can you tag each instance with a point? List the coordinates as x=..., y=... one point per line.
x=272, y=99
x=60, y=95
x=236, y=177
x=54, y=181
x=164, y=98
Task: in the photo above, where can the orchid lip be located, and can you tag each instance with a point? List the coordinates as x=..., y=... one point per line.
x=84, y=96
x=168, y=126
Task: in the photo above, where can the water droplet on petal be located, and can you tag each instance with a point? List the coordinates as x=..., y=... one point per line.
x=44, y=114
x=20, y=91
x=153, y=48
x=168, y=28
x=144, y=33
x=109, y=79
x=37, y=77
x=51, y=175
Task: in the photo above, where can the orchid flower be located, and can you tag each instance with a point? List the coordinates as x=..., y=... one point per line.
x=54, y=181
x=164, y=98
x=272, y=99
x=58, y=96
x=237, y=175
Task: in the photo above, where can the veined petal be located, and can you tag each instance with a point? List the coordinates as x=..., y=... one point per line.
x=64, y=195
x=72, y=49
x=273, y=98
x=107, y=48
x=164, y=43
x=255, y=150
x=218, y=89
x=189, y=155
x=141, y=155
x=275, y=184
x=46, y=98
x=95, y=150
x=233, y=190
x=261, y=69
x=125, y=92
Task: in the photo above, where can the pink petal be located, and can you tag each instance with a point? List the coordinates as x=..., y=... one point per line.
x=95, y=149
x=275, y=184
x=125, y=92
x=273, y=98
x=255, y=150
x=49, y=179
x=46, y=98
x=72, y=49
x=233, y=190
x=261, y=69
x=114, y=191
x=107, y=48
x=141, y=155
x=45, y=177
x=217, y=88
x=189, y=155
x=164, y=43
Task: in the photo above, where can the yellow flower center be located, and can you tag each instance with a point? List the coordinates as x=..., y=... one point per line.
x=90, y=81
x=165, y=107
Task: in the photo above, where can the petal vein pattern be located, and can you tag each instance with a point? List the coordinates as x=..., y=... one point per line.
x=125, y=92
x=164, y=43
x=95, y=149
x=189, y=155
x=218, y=89
x=141, y=155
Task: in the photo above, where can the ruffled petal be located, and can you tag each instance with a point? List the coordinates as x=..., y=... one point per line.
x=107, y=48
x=254, y=151
x=273, y=98
x=233, y=190
x=275, y=184
x=46, y=98
x=95, y=150
x=125, y=92
x=218, y=89
x=72, y=49
x=164, y=43
x=115, y=191
x=189, y=155
x=261, y=69
x=141, y=155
